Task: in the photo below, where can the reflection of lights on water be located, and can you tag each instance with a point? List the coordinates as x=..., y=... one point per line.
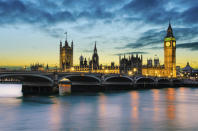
x=156, y=114
x=55, y=114
x=102, y=105
x=134, y=104
x=156, y=94
x=10, y=90
x=170, y=103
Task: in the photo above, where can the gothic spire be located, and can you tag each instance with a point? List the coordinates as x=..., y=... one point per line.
x=72, y=44
x=60, y=43
x=169, y=30
x=66, y=43
x=65, y=36
x=95, y=49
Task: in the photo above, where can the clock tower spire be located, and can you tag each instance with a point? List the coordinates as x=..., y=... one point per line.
x=170, y=53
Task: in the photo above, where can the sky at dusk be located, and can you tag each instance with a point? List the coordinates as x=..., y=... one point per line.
x=30, y=30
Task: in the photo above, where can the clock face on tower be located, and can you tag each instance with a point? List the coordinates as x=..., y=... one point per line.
x=167, y=44
x=174, y=44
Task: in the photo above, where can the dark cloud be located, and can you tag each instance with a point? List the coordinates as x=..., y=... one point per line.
x=148, y=11
x=160, y=11
x=192, y=46
x=52, y=12
x=129, y=53
x=43, y=13
x=189, y=16
x=47, y=13
x=152, y=38
x=141, y=6
x=96, y=14
x=93, y=4
x=148, y=38
x=16, y=11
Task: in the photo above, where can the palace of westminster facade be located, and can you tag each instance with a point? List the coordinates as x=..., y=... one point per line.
x=131, y=65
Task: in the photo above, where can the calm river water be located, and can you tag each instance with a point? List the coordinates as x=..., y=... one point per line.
x=157, y=109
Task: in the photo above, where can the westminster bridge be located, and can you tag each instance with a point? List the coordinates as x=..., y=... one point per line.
x=47, y=82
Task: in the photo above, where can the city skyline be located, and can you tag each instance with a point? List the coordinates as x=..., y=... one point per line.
x=119, y=27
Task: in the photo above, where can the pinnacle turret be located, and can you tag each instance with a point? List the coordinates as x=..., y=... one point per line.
x=169, y=31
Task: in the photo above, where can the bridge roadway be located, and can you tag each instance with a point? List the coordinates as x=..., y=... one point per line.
x=48, y=81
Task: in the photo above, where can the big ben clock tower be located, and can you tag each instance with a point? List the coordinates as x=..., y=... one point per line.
x=170, y=53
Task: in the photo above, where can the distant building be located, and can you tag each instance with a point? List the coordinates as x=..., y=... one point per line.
x=94, y=62
x=66, y=55
x=149, y=62
x=47, y=68
x=92, y=65
x=178, y=70
x=156, y=61
x=188, y=69
x=95, y=59
x=37, y=67
x=153, y=63
x=132, y=63
x=112, y=64
x=3, y=69
x=83, y=62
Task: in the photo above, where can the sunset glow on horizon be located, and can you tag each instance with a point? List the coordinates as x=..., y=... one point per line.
x=31, y=30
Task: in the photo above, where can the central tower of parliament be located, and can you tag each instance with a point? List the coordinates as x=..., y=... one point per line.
x=66, y=55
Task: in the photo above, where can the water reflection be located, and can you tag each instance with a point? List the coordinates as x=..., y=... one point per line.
x=134, y=105
x=158, y=109
x=55, y=114
x=102, y=112
x=170, y=103
x=102, y=106
x=134, y=100
x=156, y=104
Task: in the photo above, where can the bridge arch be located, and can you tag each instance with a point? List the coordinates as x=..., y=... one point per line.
x=145, y=80
x=28, y=77
x=118, y=79
x=163, y=80
x=81, y=78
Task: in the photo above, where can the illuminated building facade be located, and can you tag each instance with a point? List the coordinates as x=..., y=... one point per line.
x=66, y=55
x=83, y=62
x=169, y=68
x=37, y=67
x=187, y=69
x=132, y=63
x=93, y=65
x=170, y=53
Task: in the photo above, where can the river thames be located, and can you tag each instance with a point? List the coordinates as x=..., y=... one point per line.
x=153, y=109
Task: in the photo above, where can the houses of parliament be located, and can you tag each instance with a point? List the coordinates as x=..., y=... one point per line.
x=66, y=58
x=132, y=64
